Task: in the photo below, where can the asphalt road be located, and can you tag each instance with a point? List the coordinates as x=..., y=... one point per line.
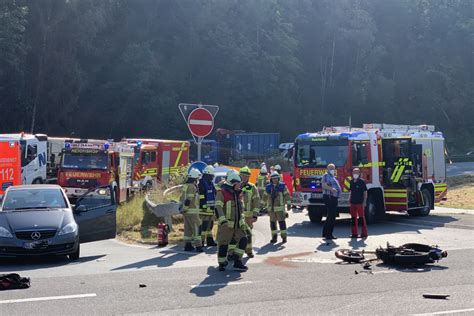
x=460, y=168
x=301, y=277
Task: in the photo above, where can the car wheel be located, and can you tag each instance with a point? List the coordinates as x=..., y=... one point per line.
x=315, y=214
x=372, y=211
x=75, y=255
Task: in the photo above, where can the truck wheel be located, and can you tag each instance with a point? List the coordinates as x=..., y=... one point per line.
x=425, y=211
x=37, y=181
x=315, y=214
x=372, y=212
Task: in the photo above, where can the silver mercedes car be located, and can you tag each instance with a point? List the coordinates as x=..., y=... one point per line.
x=39, y=220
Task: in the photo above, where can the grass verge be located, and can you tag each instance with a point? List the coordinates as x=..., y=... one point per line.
x=135, y=223
x=460, y=192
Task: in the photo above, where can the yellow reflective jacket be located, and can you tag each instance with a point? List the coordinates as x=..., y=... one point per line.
x=251, y=200
x=190, y=196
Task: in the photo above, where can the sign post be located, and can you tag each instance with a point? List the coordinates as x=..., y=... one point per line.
x=200, y=121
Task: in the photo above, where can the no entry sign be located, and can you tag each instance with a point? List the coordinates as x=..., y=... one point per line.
x=200, y=122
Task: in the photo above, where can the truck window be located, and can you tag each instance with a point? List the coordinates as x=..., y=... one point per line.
x=145, y=157
x=153, y=156
x=28, y=153
x=360, y=154
x=320, y=155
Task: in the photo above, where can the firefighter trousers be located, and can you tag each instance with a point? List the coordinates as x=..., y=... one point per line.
x=191, y=229
x=206, y=227
x=248, y=232
x=280, y=218
x=225, y=235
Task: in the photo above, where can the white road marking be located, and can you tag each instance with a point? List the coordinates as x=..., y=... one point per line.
x=221, y=284
x=447, y=312
x=47, y=298
x=200, y=122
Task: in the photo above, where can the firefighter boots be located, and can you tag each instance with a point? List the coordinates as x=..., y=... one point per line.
x=239, y=266
x=189, y=247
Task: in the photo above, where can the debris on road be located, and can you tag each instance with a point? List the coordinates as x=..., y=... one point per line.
x=13, y=281
x=436, y=296
x=142, y=285
x=407, y=254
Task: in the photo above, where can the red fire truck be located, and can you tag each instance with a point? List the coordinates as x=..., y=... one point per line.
x=87, y=164
x=403, y=166
x=156, y=159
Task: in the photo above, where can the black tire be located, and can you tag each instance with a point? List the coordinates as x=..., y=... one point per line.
x=315, y=214
x=373, y=213
x=428, y=199
x=75, y=255
x=349, y=255
x=37, y=181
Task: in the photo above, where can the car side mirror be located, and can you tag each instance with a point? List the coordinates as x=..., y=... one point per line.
x=80, y=209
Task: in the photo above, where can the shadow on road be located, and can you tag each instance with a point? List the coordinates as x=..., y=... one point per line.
x=357, y=243
x=326, y=246
x=166, y=258
x=270, y=248
x=33, y=263
x=412, y=269
x=392, y=223
x=215, y=281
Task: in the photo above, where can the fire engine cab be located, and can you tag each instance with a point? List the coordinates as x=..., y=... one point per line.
x=87, y=164
x=403, y=166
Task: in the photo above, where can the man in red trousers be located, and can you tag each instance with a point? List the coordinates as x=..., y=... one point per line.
x=358, y=199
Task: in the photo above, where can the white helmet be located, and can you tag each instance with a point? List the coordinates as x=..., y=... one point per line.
x=278, y=168
x=208, y=170
x=233, y=177
x=194, y=173
x=275, y=175
x=263, y=170
x=216, y=165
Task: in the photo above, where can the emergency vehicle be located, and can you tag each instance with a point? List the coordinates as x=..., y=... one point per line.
x=32, y=150
x=87, y=164
x=10, y=164
x=156, y=159
x=403, y=166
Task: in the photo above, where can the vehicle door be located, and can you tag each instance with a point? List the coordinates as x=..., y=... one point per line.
x=95, y=213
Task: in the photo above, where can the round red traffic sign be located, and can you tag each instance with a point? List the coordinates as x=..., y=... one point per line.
x=200, y=122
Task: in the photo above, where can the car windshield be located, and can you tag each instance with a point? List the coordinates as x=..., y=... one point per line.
x=313, y=155
x=27, y=199
x=90, y=159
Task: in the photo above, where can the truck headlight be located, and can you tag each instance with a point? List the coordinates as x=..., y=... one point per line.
x=5, y=233
x=68, y=229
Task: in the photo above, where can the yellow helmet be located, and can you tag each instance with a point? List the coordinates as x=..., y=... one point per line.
x=245, y=171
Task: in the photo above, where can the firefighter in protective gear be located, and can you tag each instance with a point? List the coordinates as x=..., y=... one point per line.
x=231, y=220
x=207, y=201
x=251, y=207
x=277, y=197
x=262, y=181
x=190, y=201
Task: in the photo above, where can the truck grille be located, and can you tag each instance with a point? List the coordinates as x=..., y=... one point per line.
x=27, y=235
x=84, y=183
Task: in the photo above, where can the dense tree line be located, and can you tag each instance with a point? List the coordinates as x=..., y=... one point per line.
x=112, y=68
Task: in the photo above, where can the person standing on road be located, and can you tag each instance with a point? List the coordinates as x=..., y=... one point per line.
x=251, y=201
x=262, y=182
x=231, y=222
x=190, y=201
x=331, y=192
x=358, y=200
x=207, y=201
x=277, y=197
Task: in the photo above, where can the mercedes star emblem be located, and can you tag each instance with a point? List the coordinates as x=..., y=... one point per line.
x=35, y=235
